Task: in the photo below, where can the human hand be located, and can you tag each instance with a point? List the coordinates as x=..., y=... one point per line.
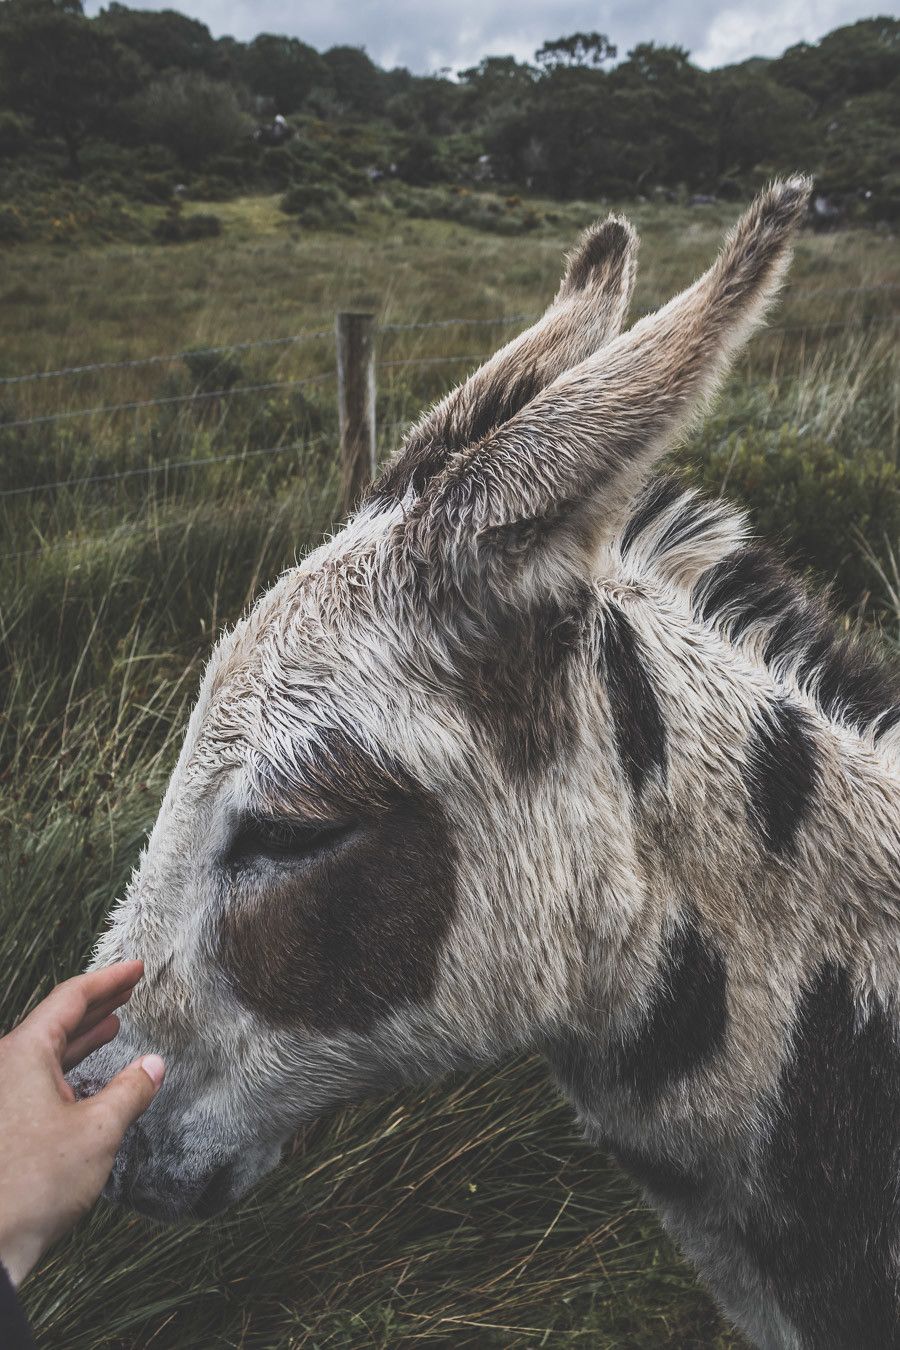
x=56, y=1152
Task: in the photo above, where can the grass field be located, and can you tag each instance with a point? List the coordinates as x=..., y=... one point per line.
x=470, y=1214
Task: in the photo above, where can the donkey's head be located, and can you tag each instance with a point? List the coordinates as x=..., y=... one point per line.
x=393, y=833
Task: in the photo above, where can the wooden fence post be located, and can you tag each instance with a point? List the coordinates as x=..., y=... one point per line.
x=356, y=403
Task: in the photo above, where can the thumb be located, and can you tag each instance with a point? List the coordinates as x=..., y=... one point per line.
x=129, y=1094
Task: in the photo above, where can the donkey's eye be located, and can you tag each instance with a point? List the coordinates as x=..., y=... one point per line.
x=284, y=840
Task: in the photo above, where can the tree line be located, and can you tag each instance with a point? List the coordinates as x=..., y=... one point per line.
x=140, y=93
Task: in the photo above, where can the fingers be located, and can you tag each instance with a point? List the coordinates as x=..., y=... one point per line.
x=68, y=1010
x=89, y=1040
x=98, y=1014
x=127, y=1095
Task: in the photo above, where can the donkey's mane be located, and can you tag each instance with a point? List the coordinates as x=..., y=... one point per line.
x=743, y=591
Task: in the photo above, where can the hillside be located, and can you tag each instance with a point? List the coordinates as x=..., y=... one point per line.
x=98, y=116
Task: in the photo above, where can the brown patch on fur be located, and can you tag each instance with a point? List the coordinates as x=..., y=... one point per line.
x=337, y=940
x=514, y=678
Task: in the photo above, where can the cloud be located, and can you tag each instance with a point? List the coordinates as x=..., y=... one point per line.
x=458, y=33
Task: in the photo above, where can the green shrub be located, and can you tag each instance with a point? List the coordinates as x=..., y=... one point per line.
x=213, y=370
x=190, y=114
x=146, y=173
x=803, y=491
x=155, y=187
x=14, y=135
x=318, y=205
x=13, y=229
x=480, y=210
x=202, y=225
x=177, y=228
x=308, y=162
x=69, y=213
x=420, y=163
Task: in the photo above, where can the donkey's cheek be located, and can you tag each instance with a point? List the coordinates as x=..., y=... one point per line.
x=345, y=942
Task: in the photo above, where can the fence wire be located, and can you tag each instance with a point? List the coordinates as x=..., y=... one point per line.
x=134, y=404
x=182, y=465
x=312, y=334
x=164, y=466
x=233, y=391
x=307, y=335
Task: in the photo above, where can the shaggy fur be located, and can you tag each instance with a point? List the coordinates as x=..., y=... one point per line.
x=533, y=755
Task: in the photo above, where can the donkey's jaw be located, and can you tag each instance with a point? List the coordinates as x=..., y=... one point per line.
x=200, y=1145
x=160, y=1187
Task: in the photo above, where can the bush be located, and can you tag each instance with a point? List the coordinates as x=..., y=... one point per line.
x=14, y=134
x=213, y=370
x=203, y=225
x=12, y=226
x=193, y=116
x=147, y=174
x=233, y=172
x=309, y=161
x=804, y=491
x=155, y=188
x=177, y=228
x=69, y=213
x=318, y=206
x=420, y=163
x=480, y=210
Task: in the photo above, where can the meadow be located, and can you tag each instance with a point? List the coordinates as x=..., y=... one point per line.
x=470, y=1214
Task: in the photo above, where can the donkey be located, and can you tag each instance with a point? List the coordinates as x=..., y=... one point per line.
x=537, y=753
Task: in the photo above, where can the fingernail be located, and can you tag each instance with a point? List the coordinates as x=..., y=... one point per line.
x=154, y=1068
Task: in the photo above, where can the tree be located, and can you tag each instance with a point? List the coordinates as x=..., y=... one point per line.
x=163, y=40
x=669, y=100
x=357, y=80
x=548, y=139
x=192, y=115
x=284, y=70
x=579, y=49
x=419, y=163
x=859, y=58
x=430, y=105
x=758, y=121
x=62, y=71
x=859, y=156
x=497, y=86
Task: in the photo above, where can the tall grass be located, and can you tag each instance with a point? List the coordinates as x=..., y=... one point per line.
x=469, y=1213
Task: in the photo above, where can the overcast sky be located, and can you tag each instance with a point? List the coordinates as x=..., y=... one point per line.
x=427, y=35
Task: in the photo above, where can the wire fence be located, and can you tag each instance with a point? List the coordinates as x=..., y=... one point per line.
x=228, y=392
x=234, y=391
x=165, y=467
x=134, y=404
x=304, y=335
x=314, y=334
x=167, y=464
x=145, y=470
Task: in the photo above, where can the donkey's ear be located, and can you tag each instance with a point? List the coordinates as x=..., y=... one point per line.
x=589, y=309
x=557, y=479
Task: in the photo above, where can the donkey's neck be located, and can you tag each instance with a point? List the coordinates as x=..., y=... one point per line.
x=763, y=837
